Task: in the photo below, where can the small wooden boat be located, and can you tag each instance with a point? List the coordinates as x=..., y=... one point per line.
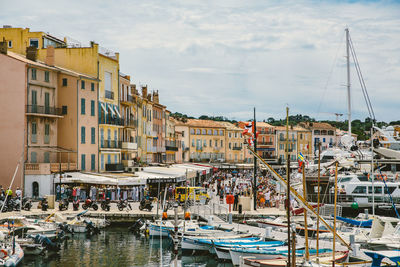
x=325, y=259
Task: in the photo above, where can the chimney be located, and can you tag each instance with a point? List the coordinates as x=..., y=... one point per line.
x=149, y=97
x=50, y=56
x=155, y=97
x=3, y=47
x=31, y=53
x=144, y=91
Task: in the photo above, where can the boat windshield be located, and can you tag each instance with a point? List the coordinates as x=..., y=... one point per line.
x=362, y=178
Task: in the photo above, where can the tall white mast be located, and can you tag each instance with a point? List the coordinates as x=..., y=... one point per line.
x=348, y=79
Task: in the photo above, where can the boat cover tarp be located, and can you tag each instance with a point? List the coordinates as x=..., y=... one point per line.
x=366, y=224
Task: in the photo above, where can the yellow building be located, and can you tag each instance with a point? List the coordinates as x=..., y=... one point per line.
x=93, y=61
x=128, y=111
x=234, y=151
x=171, y=142
x=206, y=140
x=280, y=135
x=304, y=142
x=18, y=39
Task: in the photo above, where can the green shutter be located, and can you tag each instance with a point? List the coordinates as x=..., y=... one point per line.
x=93, y=162
x=92, y=108
x=82, y=135
x=93, y=134
x=82, y=106
x=83, y=162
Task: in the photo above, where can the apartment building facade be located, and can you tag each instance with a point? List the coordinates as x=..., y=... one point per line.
x=234, y=148
x=128, y=134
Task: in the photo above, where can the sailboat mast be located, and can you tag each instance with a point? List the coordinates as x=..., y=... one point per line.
x=348, y=79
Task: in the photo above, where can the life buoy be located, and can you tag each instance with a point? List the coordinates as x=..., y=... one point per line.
x=3, y=253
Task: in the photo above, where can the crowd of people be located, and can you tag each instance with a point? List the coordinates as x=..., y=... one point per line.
x=96, y=193
x=240, y=183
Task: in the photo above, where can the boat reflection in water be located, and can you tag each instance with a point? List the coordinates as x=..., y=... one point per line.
x=116, y=246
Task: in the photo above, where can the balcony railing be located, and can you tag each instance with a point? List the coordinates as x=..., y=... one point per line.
x=128, y=145
x=43, y=110
x=48, y=168
x=171, y=148
x=113, y=121
x=237, y=148
x=109, y=94
x=265, y=143
x=114, y=167
x=111, y=144
x=130, y=123
x=290, y=139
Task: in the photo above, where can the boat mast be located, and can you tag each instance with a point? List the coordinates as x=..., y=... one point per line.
x=319, y=189
x=288, y=184
x=348, y=79
x=305, y=214
x=334, y=216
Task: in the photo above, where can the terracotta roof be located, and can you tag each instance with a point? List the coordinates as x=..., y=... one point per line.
x=317, y=125
x=203, y=123
x=230, y=126
x=263, y=124
x=294, y=128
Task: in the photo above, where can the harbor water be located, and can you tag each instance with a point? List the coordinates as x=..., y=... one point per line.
x=116, y=246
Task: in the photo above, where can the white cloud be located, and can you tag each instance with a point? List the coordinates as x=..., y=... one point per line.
x=224, y=57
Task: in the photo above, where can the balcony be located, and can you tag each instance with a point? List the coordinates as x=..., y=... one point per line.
x=160, y=149
x=43, y=111
x=129, y=146
x=130, y=123
x=236, y=148
x=112, y=121
x=109, y=94
x=171, y=148
x=111, y=144
x=114, y=167
x=290, y=139
x=49, y=168
x=265, y=143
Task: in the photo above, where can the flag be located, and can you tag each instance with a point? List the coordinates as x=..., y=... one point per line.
x=300, y=157
x=248, y=129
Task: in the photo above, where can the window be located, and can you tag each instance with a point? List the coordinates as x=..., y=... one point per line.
x=92, y=86
x=33, y=74
x=301, y=136
x=216, y=143
x=323, y=140
x=230, y=146
x=221, y=132
x=230, y=135
x=102, y=161
x=210, y=143
x=82, y=106
x=33, y=157
x=9, y=44
x=83, y=132
x=93, y=135
x=215, y=132
x=317, y=132
x=64, y=110
x=108, y=81
x=34, y=133
x=191, y=131
x=360, y=190
x=378, y=189
x=83, y=162
x=203, y=131
x=209, y=132
x=92, y=108
x=82, y=84
x=64, y=82
x=93, y=162
x=192, y=142
x=330, y=132
x=46, y=157
x=46, y=76
x=47, y=133
x=197, y=131
x=34, y=42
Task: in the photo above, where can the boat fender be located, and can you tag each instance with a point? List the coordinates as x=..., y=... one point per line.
x=3, y=253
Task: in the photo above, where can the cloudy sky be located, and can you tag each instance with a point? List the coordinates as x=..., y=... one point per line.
x=224, y=57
